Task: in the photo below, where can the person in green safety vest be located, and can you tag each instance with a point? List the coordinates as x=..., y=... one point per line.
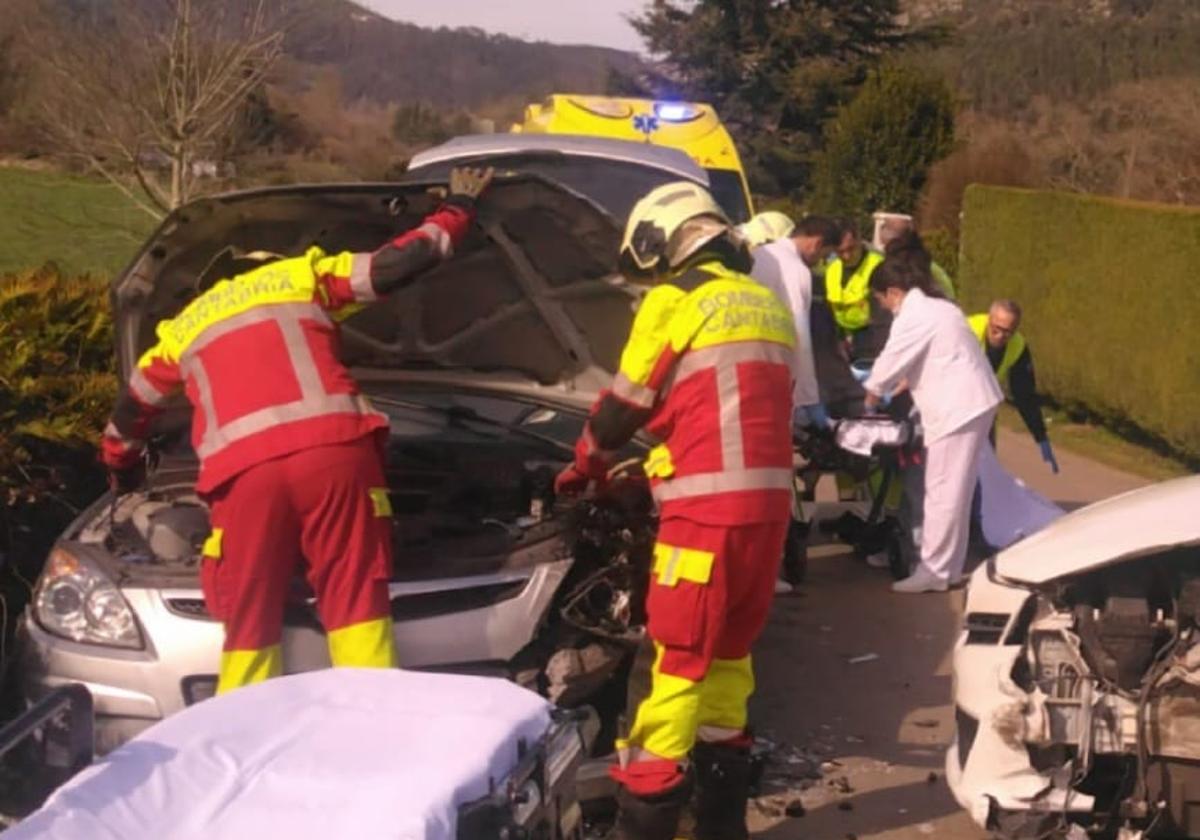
x=847, y=278
x=1008, y=354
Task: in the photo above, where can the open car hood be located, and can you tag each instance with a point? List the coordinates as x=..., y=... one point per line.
x=533, y=292
x=1134, y=524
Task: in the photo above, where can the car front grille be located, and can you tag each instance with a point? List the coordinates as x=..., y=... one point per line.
x=985, y=628
x=189, y=608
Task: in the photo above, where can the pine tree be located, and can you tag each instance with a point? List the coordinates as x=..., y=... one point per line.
x=776, y=70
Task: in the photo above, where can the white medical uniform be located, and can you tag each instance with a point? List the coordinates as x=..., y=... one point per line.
x=779, y=267
x=954, y=389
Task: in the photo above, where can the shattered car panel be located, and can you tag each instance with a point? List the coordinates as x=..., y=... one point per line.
x=1077, y=674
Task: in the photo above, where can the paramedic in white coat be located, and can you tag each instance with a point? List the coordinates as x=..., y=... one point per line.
x=784, y=255
x=932, y=350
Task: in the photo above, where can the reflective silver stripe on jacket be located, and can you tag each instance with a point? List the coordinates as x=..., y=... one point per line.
x=360, y=278
x=146, y=393
x=734, y=476
x=633, y=393
x=313, y=402
x=726, y=481
x=440, y=238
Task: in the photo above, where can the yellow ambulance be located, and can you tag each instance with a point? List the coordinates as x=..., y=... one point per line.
x=691, y=127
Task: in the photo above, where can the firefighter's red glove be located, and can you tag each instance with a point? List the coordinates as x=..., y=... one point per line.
x=570, y=482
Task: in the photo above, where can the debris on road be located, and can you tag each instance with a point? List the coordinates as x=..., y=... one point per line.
x=795, y=809
x=866, y=657
x=784, y=767
x=844, y=805
x=932, y=778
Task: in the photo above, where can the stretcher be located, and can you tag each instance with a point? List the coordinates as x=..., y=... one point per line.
x=885, y=455
x=331, y=754
x=872, y=450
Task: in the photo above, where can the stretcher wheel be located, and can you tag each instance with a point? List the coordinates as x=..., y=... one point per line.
x=795, y=553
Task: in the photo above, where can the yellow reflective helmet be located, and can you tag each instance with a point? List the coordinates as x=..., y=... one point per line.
x=658, y=236
x=766, y=227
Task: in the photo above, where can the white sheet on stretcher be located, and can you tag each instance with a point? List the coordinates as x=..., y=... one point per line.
x=342, y=753
x=1009, y=511
x=861, y=436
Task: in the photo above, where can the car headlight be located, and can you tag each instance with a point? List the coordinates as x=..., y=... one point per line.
x=77, y=601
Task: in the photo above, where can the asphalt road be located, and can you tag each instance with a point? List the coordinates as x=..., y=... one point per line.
x=880, y=728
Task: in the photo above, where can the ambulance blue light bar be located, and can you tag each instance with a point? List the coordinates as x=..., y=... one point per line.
x=675, y=112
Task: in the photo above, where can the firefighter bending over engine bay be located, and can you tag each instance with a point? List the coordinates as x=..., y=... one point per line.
x=290, y=451
x=708, y=371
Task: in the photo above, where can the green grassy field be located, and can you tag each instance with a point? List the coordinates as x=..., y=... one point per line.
x=82, y=225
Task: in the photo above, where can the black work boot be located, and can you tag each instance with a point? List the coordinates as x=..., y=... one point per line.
x=650, y=817
x=722, y=774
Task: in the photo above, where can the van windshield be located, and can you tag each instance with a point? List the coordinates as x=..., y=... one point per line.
x=726, y=187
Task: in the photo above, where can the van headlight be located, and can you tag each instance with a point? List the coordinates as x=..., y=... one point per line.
x=77, y=601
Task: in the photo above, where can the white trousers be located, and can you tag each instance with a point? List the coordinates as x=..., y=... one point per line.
x=951, y=471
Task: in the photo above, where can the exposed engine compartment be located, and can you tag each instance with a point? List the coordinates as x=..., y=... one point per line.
x=1111, y=667
x=480, y=508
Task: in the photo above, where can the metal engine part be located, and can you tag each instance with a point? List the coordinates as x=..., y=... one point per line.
x=175, y=531
x=1119, y=642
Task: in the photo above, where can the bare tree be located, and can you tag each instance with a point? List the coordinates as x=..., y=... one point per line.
x=145, y=92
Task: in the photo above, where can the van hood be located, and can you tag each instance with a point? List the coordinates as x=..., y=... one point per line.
x=533, y=292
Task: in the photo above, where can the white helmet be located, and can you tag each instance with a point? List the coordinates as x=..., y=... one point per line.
x=668, y=226
x=766, y=227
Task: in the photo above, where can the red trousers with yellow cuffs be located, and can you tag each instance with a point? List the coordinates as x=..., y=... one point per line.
x=327, y=506
x=710, y=594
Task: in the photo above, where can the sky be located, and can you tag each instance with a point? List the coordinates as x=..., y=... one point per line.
x=600, y=22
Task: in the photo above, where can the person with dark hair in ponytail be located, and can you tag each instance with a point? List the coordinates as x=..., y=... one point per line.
x=909, y=247
x=932, y=349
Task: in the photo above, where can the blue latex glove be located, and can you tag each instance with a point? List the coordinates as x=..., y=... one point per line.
x=811, y=415
x=1048, y=455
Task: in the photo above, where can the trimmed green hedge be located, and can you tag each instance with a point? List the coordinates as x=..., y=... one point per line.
x=1111, y=295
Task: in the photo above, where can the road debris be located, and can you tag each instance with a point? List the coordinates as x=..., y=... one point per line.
x=845, y=806
x=866, y=657
x=795, y=809
x=932, y=778
x=784, y=767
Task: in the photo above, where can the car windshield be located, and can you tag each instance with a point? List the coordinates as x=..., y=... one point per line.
x=726, y=187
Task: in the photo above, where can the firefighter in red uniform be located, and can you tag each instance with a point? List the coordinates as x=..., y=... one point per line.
x=708, y=371
x=289, y=449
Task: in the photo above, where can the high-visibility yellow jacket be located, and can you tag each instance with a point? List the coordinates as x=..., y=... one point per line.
x=1016, y=345
x=257, y=355
x=850, y=297
x=708, y=371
